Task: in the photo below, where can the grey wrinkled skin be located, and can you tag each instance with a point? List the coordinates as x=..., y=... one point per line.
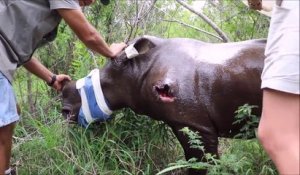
x=185, y=83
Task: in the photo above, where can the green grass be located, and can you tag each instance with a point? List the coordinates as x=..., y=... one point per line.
x=236, y=157
x=129, y=144
x=243, y=157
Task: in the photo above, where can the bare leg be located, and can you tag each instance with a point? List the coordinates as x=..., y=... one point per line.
x=279, y=129
x=6, y=134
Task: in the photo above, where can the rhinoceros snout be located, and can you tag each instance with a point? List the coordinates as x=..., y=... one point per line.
x=68, y=115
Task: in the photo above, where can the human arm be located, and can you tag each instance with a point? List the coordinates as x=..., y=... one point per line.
x=88, y=34
x=37, y=68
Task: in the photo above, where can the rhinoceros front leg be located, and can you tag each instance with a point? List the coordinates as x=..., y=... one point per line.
x=210, y=143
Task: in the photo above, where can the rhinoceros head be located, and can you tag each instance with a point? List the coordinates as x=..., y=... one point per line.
x=122, y=80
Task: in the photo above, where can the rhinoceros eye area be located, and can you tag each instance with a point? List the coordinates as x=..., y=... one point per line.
x=164, y=93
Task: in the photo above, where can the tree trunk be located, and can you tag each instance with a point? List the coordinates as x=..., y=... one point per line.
x=207, y=20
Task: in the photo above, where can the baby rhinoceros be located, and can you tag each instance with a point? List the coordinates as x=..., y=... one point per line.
x=183, y=82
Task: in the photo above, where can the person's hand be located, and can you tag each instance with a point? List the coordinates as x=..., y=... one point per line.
x=116, y=48
x=58, y=84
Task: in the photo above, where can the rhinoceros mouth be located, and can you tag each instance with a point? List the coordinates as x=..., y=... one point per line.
x=69, y=115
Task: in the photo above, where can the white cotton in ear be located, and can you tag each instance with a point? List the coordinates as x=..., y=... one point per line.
x=131, y=52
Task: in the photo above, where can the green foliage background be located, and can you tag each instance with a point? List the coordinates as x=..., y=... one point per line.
x=130, y=143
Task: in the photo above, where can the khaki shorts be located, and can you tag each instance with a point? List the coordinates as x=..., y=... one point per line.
x=8, y=107
x=281, y=69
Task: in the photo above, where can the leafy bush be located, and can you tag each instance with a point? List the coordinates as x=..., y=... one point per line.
x=237, y=156
x=244, y=115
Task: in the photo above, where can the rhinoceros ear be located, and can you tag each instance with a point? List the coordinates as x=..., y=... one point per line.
x=141, y=46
